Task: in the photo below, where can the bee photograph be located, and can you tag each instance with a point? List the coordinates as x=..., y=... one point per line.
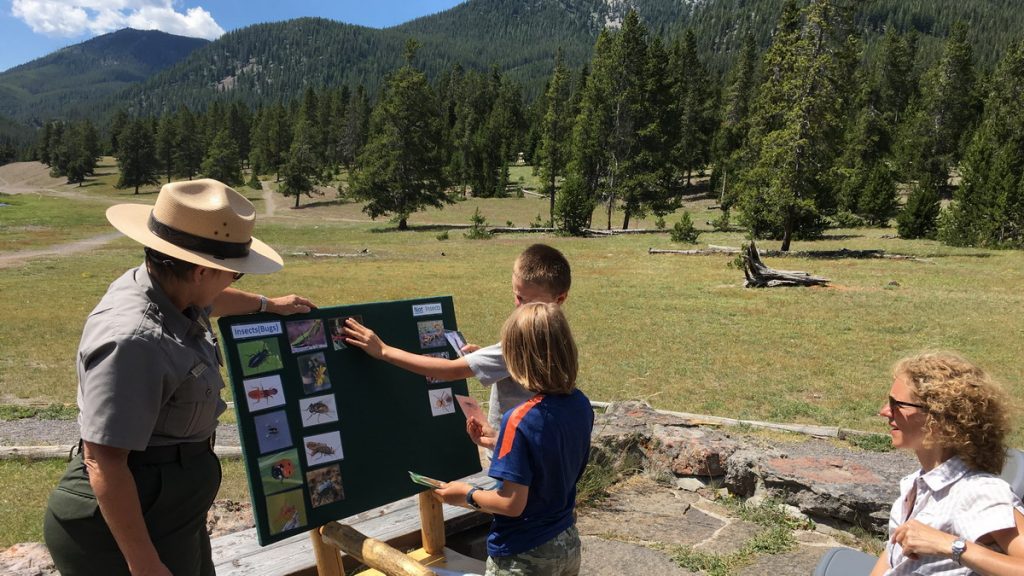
x=286, y=511
x=323, y=448
x=259, y=356
x=318, y=410
x=431, y=334
x=313, y=372
x=325, y=485
x=264, y=392
x=306, y=335
x=272, y=432
x=441, y=401
x=280, y=471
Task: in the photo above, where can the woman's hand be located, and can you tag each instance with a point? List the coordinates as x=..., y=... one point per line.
x=918, y=539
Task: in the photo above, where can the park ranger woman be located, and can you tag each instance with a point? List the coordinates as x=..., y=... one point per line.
x=134, y=498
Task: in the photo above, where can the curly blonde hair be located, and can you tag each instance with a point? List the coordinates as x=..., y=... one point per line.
x=966, y=410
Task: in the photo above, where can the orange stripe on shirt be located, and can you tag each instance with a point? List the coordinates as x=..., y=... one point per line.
x=509, y=434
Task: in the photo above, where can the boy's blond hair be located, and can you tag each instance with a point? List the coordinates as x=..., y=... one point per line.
x=539, y=349
x=545, y=267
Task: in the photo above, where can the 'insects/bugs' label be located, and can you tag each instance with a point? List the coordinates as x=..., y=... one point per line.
x=244, y=331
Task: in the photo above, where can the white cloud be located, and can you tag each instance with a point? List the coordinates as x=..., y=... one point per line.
x=73, y=18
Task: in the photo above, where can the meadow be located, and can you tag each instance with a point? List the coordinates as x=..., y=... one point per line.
x=680, y=332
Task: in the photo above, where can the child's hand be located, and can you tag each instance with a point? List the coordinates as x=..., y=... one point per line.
x=481, y=433
x=363, y=338
x=470, y=348
x=453, y=493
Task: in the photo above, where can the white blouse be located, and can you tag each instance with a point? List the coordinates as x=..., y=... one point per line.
x=956, y=500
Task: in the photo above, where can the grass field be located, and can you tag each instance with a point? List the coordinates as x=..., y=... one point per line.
x=677, y=331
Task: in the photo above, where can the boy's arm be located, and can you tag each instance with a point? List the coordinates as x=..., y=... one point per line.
x=508, y=500
x=438, y=368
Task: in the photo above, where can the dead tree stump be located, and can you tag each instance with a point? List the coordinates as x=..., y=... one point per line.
x=760, y=276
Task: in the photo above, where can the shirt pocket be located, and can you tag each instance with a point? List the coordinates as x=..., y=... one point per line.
x=193, y=406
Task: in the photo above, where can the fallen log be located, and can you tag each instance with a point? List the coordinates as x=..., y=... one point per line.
x=360, y=254
x=711, y=250
x=760, y=276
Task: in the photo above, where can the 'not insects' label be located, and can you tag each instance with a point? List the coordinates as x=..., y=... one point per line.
x=426, y=309
x=244, y=331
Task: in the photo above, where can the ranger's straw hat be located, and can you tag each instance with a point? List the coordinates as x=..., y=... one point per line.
x=203, y=222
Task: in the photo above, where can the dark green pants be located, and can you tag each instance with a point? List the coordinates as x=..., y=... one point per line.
x=175, y=498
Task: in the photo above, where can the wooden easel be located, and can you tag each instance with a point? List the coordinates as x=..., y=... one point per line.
x=383, y=559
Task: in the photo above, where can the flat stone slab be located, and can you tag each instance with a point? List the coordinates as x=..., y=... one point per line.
x=612, y=558
x=641, y=510
x=797, y=562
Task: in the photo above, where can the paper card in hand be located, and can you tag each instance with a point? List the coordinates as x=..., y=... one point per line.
x=424, y=480
x=471, y=408
x=457, y=341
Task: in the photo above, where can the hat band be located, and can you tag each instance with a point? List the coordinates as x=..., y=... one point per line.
x=216, y=248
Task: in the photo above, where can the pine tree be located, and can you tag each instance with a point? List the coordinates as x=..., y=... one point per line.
x=797, y=125
x=400, y=170
x=166, y=136
x=694, y=105
x=356, y=126
x=222, y=161
x=188, y=148
x=920, y=216
x=734, y=121
x=988, y=208
x=137, y=156
x=300, y=171
x=552, y=153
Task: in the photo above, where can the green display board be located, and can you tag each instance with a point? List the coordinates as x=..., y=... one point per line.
x=326, y=430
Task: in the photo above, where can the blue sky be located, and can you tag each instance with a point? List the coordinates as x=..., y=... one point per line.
x=34, y=28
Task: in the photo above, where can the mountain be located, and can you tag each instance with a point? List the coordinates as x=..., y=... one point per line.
x=277, y=61
x=68, y=83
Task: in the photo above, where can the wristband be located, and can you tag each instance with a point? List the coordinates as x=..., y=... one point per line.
x=263, y=303
x=469, y=498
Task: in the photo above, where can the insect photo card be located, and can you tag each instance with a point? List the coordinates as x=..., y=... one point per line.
x=273, y=432
x=323, y=448
x=318, y=410
x=259, y=356
x=441, y=401
x=431, y=333
x=264, y=392
x=306, y=335
x=286, y=511
x=313, y=372
x=325, y=485
x=280, y=471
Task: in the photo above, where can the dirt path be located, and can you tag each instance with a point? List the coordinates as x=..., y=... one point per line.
x=268, y=197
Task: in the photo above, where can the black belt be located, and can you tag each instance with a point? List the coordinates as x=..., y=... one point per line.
x=172, y=453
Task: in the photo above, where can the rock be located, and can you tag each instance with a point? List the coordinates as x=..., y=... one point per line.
x=613, y=558
x=227, y=516
x=27, y=559
x=691, y=451
x=690, y=484
x=741, y=475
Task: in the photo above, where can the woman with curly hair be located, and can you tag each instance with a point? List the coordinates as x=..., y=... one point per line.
x=955, y=515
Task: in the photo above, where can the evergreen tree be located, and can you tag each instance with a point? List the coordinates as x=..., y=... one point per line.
x=797, y=124
x=222, y=161
x=137, y=156
x=694, y=104
x=920, y=216
x=299, y=173
x=734, y=121
x=166, y=137
x=188, y=149
x=356, y=126
x=400, y=170
x=117, y=124
x=988, y=208
x=878, y=202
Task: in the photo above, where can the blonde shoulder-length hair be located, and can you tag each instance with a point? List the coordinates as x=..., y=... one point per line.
x=966, y=410
x=539, y=349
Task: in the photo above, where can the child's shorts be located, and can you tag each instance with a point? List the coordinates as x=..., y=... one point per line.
x=559, y=556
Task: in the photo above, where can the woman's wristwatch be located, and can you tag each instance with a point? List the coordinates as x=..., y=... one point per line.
x=958, y=549
x=263, y=303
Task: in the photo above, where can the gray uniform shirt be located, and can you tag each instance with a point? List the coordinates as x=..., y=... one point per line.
x=488, y=365
x=148, y=375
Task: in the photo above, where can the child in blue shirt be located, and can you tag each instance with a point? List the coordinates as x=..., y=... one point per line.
x=540, y=452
